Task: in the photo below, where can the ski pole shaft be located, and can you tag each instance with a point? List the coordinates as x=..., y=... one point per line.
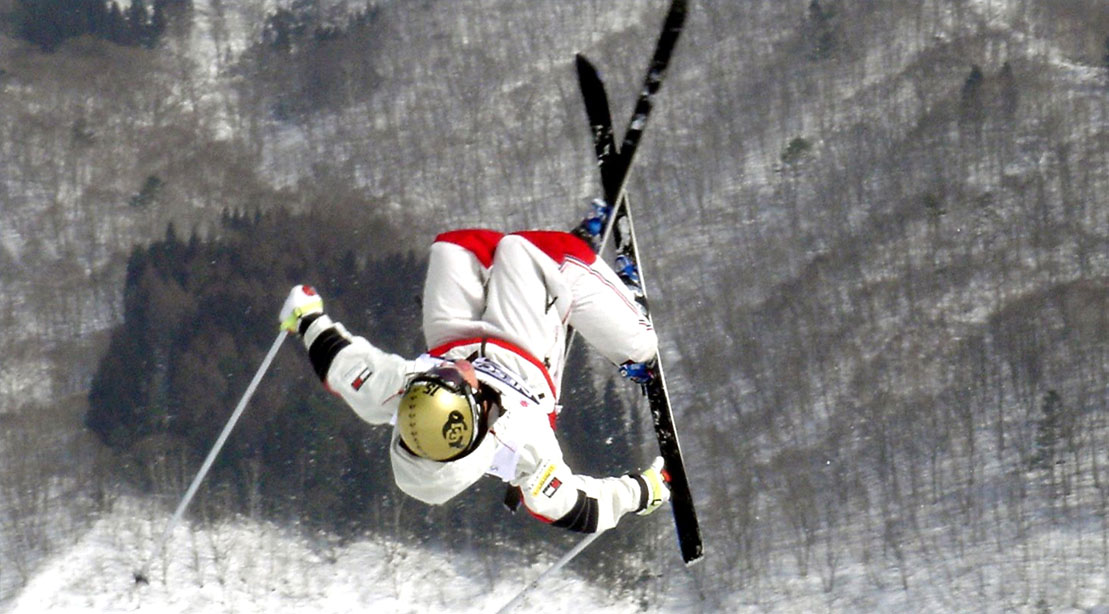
x=141, y=576
x=559, y=564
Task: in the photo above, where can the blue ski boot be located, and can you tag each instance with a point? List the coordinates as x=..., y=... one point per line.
x=628, y=272
x=592, y=227
x=638, y=372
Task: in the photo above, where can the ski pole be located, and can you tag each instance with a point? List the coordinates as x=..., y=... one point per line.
x=559, y=564
x=141, y=575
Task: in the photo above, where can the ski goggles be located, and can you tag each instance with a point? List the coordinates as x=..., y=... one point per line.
x=446, y=374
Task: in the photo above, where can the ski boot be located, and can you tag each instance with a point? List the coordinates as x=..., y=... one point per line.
x=628, y=272
x=638, y=372
x=592, y=228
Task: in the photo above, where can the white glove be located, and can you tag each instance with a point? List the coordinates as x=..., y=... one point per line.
x=302, y=301
x=653, y=481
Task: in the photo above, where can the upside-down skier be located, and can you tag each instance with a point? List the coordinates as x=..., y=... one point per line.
x=484, y=398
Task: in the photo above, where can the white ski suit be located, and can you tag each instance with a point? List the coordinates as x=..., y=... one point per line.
x=503, y=302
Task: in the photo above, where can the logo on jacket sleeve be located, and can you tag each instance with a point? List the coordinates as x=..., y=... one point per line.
x=545, y=481
x=552, y=487
x=361, y=379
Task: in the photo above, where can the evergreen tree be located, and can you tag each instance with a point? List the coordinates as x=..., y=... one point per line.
x=821, y=31
x=971, y=106
x=136, y=23
x=1105, y=58
x=1010, y=93
x=1048, y=430
x=116, y=24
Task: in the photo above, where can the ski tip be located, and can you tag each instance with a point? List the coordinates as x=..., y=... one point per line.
x=675, y=20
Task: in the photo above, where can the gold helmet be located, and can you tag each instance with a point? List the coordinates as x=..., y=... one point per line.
x=439, y=417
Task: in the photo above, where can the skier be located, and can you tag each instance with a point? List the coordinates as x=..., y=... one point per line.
x=484, y=398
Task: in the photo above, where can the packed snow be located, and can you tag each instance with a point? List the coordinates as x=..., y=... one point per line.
x=254, y=567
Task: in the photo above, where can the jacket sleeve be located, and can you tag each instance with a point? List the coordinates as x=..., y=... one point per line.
x=368, y=379
x=550, y=490
x=555, y=494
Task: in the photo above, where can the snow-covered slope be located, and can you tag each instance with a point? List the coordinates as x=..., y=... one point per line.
x=249, y=567
x=256, y=568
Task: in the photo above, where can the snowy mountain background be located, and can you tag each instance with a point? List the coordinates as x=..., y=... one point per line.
x=879, y=232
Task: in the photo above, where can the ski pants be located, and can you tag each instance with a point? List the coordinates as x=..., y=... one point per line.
x=525, y=288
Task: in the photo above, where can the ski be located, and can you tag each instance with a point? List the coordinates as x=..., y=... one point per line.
x=600, y=120
x=664, y=49
x=658, y=399
x=615, y=166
